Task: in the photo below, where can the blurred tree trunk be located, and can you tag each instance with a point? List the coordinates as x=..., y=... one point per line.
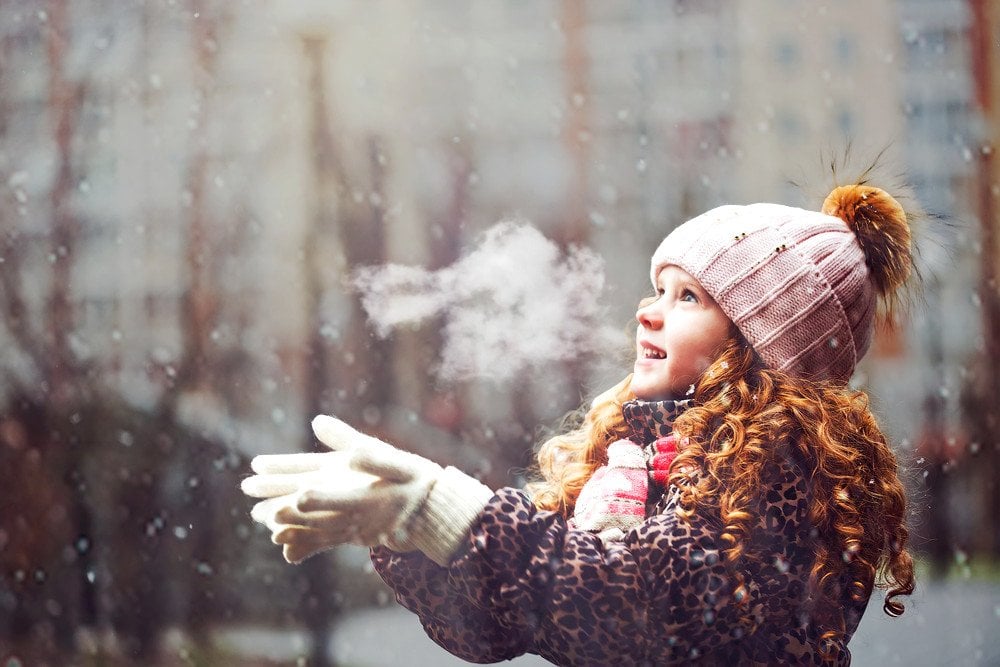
x=446, y=410
x=322, y=606
x=577, y=133
x=365, y=244
x=38, y=443
x=575, y=226
x=931, y=447
x=199, y=304
x=176, y=461
x=345, y=215
x=65, y=100
x=15, y=309
x=986, y=413
x=59, y=443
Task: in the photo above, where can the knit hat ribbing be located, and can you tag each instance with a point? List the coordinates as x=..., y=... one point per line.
x=796, y=283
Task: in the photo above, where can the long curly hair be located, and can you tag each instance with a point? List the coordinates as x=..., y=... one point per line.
x=566, y=461
x=741, y=410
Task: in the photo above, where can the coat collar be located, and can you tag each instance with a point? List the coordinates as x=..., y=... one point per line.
x=649, y=420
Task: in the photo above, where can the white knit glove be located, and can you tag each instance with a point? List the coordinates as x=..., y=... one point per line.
x=365, y=492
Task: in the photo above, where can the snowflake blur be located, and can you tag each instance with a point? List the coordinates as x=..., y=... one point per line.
x=514, y=302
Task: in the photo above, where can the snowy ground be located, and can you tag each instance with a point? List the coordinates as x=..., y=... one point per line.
x=957, y=623
x=953, y=623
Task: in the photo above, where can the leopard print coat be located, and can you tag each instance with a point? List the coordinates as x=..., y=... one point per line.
x=526, y=583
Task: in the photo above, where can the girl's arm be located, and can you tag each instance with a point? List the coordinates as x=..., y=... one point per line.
x=524, y=581
x=499, y=577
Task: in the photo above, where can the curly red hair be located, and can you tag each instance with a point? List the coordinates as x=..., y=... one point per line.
x=741, y=410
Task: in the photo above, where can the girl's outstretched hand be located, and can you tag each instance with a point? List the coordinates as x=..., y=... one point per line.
x=364, y=492
x=280, y=480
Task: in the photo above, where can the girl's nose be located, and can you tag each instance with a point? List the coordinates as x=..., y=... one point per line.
x=649, y=316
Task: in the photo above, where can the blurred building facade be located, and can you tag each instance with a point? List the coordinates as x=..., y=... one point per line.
x=188, y=185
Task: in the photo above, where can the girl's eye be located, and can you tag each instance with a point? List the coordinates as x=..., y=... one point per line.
x=688, y=293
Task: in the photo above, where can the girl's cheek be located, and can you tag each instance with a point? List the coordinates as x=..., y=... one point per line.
x=704, y=362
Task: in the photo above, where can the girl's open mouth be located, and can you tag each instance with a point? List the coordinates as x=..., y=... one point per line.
x=649, y=351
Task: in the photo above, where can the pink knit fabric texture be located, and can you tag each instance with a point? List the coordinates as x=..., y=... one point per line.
x=664, y=453
x=794, y=282
x=615, y=496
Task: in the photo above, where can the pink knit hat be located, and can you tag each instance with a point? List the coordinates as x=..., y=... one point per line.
x=800, y=285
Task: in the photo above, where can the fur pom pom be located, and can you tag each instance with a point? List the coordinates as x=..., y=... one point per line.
x=882, y=229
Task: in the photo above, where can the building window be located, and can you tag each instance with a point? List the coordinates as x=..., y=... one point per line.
x=786, y=52
x=847, y=122
x=845, y=49
x=788, y=125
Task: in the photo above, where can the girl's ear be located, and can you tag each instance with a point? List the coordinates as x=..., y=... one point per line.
x=739, y=338
x=734, y=338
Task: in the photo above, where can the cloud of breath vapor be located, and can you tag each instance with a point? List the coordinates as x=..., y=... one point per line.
x=513, y=303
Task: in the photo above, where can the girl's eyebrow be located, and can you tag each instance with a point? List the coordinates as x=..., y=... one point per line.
x=690, y=283
x=694, y=284
x=681, y=281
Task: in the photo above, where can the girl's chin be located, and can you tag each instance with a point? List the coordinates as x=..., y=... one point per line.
x=649, y=391
x=655, y=396
x=647, y=388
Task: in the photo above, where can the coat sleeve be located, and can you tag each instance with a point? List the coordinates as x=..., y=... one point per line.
x=526, y=582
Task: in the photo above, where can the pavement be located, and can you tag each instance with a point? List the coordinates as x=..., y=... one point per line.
x=953, y=623
x=945, y=623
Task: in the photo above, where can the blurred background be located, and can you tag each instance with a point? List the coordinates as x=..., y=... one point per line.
x=186, y=186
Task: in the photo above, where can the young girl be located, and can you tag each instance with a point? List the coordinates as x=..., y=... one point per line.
x=730, y=502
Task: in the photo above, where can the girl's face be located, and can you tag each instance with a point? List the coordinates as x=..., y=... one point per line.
x=681, y=330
